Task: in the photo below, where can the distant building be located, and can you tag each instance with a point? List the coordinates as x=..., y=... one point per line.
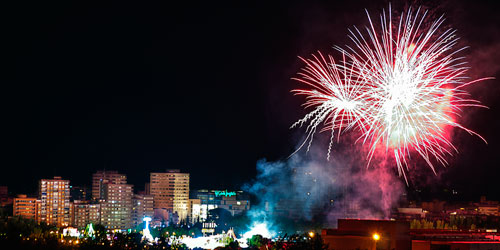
x=199, y=210
x=204, y=200
x=5, y=199
x=24, y=207
x=4, y=192
x=409, y=213
x=389, y=234
x=147, y=188
x=38, y=210
x=423, y=239
x=54, y=202
x=116, y=206
x=234, y=205
x=368, y=234
x=171, y=192
x=85, y=213
x=105, y=176
x=79, y=193
x=142, y=206
x=71, y=213
x=487, y=207
x=195, y=211
x=162, y=217
x=435, y=206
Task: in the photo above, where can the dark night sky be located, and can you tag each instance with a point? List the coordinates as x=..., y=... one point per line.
x=199, y=87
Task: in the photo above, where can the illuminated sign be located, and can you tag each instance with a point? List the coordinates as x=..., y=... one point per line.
x=224, y=193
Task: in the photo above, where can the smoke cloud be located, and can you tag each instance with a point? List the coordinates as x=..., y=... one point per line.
x=310, y=190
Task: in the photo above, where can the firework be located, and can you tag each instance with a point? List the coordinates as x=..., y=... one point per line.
x=337, y=102
x=401, y=87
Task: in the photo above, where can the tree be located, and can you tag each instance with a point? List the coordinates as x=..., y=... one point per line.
x=256, y=241
x=100, y=234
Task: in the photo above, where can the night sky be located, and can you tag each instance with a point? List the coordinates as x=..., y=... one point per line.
x=202, y=87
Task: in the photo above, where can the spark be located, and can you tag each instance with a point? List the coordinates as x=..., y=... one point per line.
x=400, y=86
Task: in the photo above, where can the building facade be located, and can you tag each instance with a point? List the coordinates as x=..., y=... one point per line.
x=54, y=202
x=24, y=207
x=101, y=177
x=234, y=205
x=195, y=212
x=171, y=192
x=116, y=206
x=85, y=213
x=142, y=207
x=204, y=200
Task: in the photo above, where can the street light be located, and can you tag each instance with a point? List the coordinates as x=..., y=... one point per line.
x=376, y=236
x=311, y=234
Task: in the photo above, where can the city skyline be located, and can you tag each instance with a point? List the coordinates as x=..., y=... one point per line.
x=117, y=205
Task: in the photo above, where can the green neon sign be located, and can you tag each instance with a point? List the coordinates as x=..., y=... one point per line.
x=224, y=193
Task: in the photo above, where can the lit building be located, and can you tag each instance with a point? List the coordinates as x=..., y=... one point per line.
x=103, y=176
x=38, y=210
x=233, y=205
x=71, y=212
x=24, y=207
x=142, y=207
x=409, y=213
x=390, y=234
x=85, y=213
x=488, y=210
x=171, y=192
x=368, y=234
x=204, y=200
x=116, y=206
x=199, y=210
x=54, y=202
x=487, y=207
x=195, y=211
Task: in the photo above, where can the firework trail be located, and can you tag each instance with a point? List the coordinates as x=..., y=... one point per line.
x=337, y=100
x=400, y=86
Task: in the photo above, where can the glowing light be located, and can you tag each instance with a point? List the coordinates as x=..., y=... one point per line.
x=259, y=229
x=89, y=231
x=224, y=193
x=311, y=234
x=211, y=242
x=146, y=234
x=400, y=87
x=376, y=236
x=71, y=231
